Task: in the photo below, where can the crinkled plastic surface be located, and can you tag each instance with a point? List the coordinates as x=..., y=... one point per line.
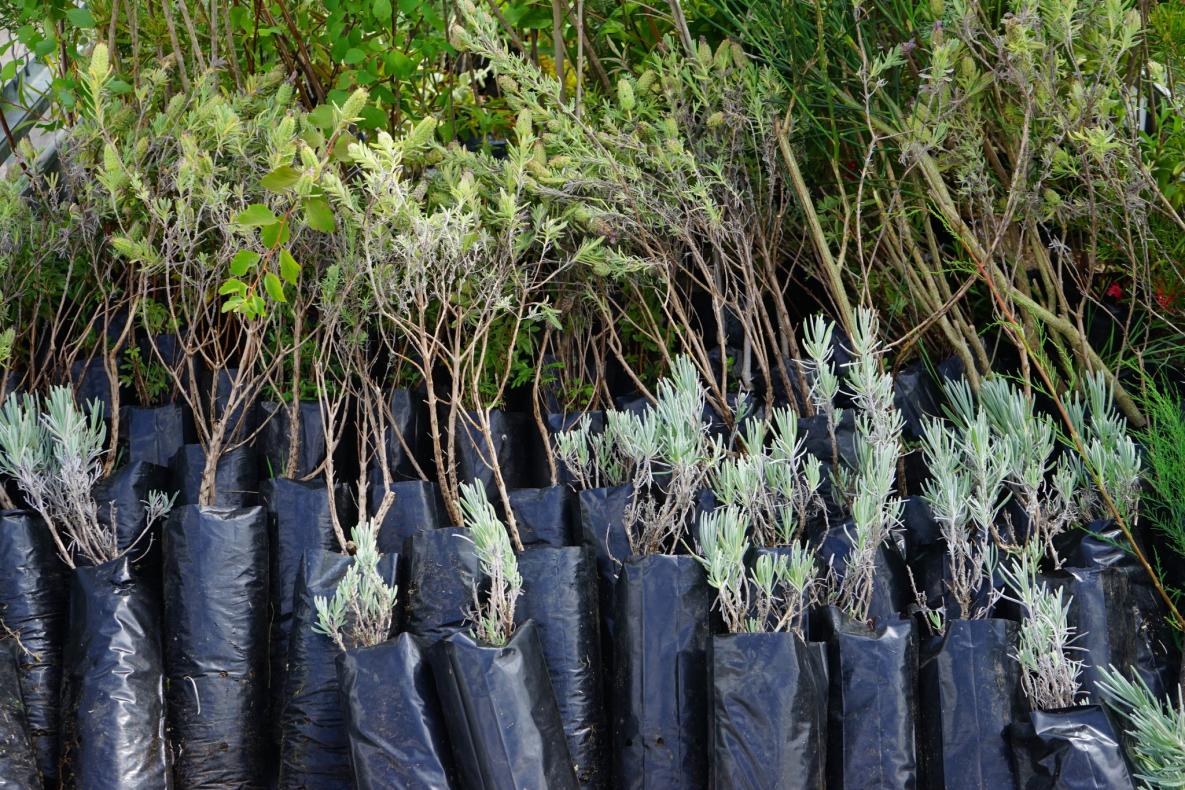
x=1070, y=749
x=314, y=747
x=660, y=697
x=544, y=515
x=968, y=686
x=500, y=711
x=602, y=526
x=509, y=432
x=872, y=709
x=121, y=499
x=417, y=506
x=113, y=709
x=560, y=597
x=769, y=712
x=216, y=644
x=441, y=569
x=18, y=761
x=156, y=433
x=236, y=480
x=396, y=731
x=274, y=432
x=407, y=434
x=34, y=604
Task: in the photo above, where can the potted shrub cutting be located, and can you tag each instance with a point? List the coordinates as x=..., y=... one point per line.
x=113, y=716
x=769, y=686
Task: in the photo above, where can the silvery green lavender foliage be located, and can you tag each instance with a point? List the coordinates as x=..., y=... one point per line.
x=1157, y=729
x=774, y=482
x=54, y=452
x=1049, y=676
x=875, y=510
x=493, y=612
x=362, y=609
x=771, y=596
x=824, y=383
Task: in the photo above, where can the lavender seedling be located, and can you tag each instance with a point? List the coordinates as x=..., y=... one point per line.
x=361, y=611
x=824, y=383
x=1156, y=727
x=493, y=613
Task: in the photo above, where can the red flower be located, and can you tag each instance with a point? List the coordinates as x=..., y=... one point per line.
x=1115, y=291
x=1163, y=299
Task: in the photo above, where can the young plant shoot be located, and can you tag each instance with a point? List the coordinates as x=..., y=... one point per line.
x=493, y=606
x=362, y=608
x=55, y=453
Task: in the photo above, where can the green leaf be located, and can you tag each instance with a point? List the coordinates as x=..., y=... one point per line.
x=321, y=116
x=80, y=17
x=280, y=179
x=119, y=87
x=275, y=288
x=289, y=268
x=233, y=286
x=400, y=65
x=319, y=215
x=276, y=233
x=256, y=215
x=243, y=260
x=233, y=303
x=382, y=10
x=354, y=56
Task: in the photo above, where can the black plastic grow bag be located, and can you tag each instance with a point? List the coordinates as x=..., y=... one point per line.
x=236, y=480
x=396, y=731
x=602, y=526
x=314, y=748
x=1069, y=749
x=275, y=429
x=560, y=597
x=121, y=499
x=559, y=423
x=968, y=686
x=660, y=691
x=156, y=433
x=891, y=590
x=417, y=506
x=475, y=462
x=441, y=571
x=33, y=605
x=872, y=710
x=769, y=712
x=216, y=644
x=487, y=693
x=18, y=761
x=544, y=516
x=113, y=709
x=406, y=434
x=299, y=520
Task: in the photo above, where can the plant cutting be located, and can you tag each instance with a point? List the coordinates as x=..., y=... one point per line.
x=1156, y=727
x=494, y=679
x=769, y=686
x=113, y=675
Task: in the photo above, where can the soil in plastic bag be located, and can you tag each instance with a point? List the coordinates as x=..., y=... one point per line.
x=157, y=433
x=487, y=693
x=113, y=705
x=216, y=644
x=397, y=736
x=891, y=593
x=417, y=507
x=441, y=571
x=34, y=604
x=660, y=697
x=1069, y=749
x=275, y=430
x=18, y=761
x=872, y=710
x=544, y=515
x=299, y=519
x=968, y=686
x=769, y=712
x=236, y=481
x=560, y=597
x=509, y=431
x=314, y=748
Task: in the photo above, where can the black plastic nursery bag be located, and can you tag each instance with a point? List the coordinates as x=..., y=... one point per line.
x=236, y=480
x=156, y=433
x=560, y=597
x=660, y=697
x=1070, y=749
x=769, y=712
x=602, y=526
x=416, y=506
x=274, y=432
x=475, y=458
x=891, y=591
x=121, y=499
x=544, y=516
x=397, y=736
x=968, y=684
x=872, y=710
x=216, y=644
x=314, y=752
x=406, y=434
x=113, y=705
x=18, y=761
x=441, y=572
x=33, y=604
x=501, y=714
